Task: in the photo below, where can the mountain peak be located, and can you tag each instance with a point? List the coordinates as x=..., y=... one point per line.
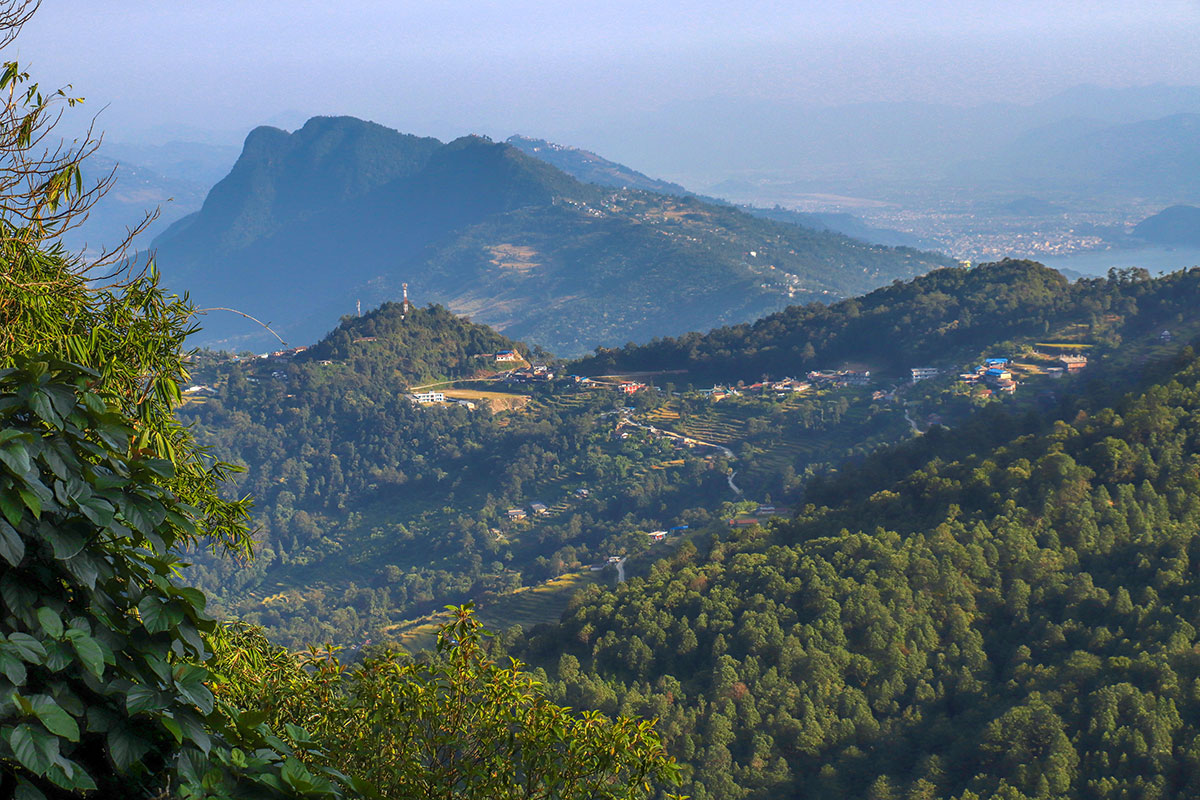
x=309, y=223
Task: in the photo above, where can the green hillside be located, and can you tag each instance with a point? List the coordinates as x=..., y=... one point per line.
x=1008, y=611
x=307, y=224
x=374, y=510
x=935, y=317
x=403, y=346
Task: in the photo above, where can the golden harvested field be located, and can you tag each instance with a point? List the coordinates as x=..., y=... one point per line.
x=499, y=401
x=515, y=257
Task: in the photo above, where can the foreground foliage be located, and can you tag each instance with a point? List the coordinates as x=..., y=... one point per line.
x=457, y=725
x=101, y=650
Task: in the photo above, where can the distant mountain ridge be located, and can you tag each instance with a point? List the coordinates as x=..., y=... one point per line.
x=592, y=168
x=342, y=210
x=1152, y=157
x=1174, y=226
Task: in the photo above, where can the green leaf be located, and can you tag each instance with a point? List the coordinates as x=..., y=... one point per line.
x=15, y=457
x=154, y=614
x=12, y=509
x=55, y=461
x=25, y=748
x=97, y=510
x=50, y=621
x=194, y=730
x=81, y=781
x=40, y=403
x=84, y=568
x=62, y=399
x=56, y=720
x=13, y=669
x=12, y=546
x=66, y=542
x=88, y=650
x=125, y=747
x=296, y=775
x=173, y=726
x=194, y=597
x=31, y=502
x=27, y=791
x=29, y=648
x=190, y=683
x=136, y=516
x=140, y=699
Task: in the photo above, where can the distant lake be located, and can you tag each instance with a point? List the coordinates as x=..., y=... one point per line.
x=1098, y=262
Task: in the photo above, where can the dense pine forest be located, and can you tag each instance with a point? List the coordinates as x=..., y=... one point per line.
x=1016, y=621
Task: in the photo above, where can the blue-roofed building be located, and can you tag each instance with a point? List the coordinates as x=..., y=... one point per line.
x=996, y=362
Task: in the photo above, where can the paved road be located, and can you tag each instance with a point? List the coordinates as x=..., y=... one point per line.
x=621, y=571
x=733, y=485
x=916, y=430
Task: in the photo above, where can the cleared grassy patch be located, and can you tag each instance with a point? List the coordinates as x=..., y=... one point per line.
x=528, y=606
x=499, y=401
x=533, y=605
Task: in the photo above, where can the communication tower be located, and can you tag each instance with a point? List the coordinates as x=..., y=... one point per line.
x=404, y=307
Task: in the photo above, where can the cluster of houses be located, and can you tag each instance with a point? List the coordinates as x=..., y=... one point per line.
x=924, y=373
x=782, y=387
x=658, y=536
x=284, y=355
x=790, y=386
x=994, y=373
x=1069, y=364
x=626, y=387
x=538, y=373
x=507, y=355
x=612, y=561
x=718, y=393
x=538, y=509
x=841, y=377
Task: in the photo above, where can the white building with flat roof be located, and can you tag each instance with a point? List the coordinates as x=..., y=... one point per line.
x=923, y=373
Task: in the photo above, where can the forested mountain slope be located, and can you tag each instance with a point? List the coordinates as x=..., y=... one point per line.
x=934, y=316
x=342, y=210
x=1014, y=617
x=373, y=509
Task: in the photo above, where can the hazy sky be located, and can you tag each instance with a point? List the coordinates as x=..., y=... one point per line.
x=580, y=68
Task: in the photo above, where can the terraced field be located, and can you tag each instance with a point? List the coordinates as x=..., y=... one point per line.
x=526, y=607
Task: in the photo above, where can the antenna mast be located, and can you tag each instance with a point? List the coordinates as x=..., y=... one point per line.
x=359, y=308
x=404, y=308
